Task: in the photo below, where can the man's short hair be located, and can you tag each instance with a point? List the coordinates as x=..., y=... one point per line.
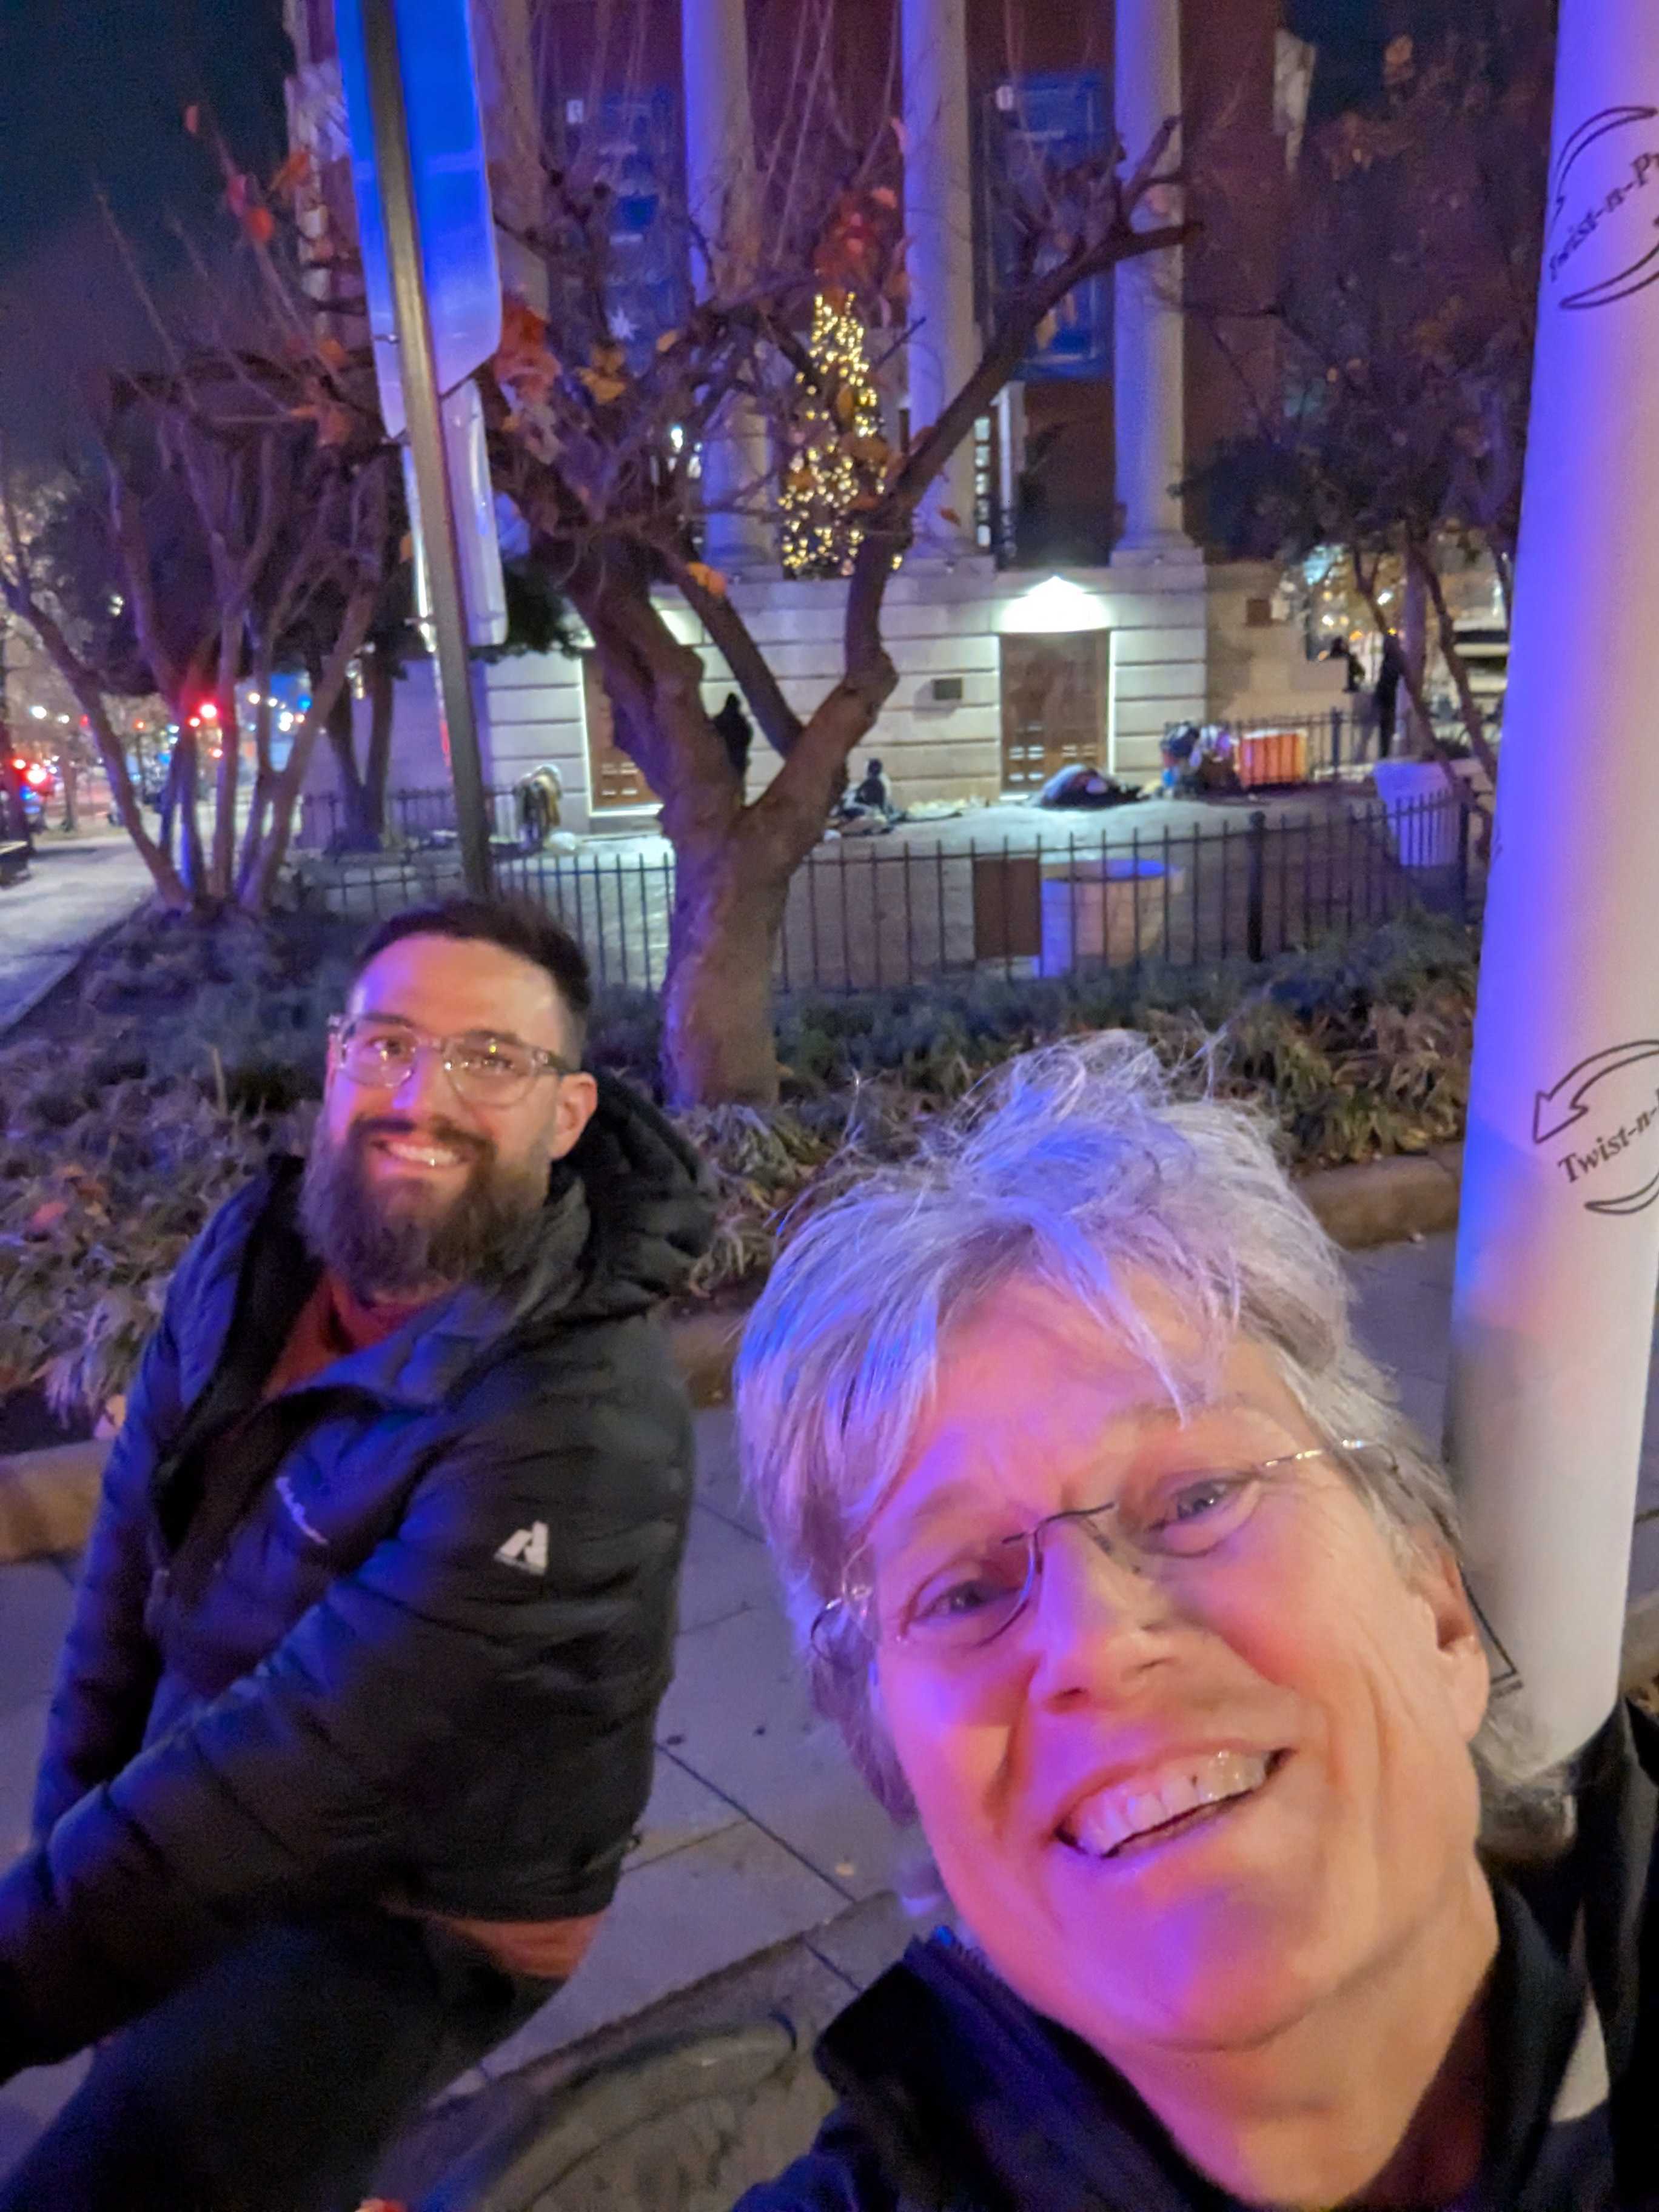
x=516, y=926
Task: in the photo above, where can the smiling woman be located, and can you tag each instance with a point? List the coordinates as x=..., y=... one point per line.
x=1116, y=1564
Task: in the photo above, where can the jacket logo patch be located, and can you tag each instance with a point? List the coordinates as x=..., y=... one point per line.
x=296, y=1512
x=527, y=1548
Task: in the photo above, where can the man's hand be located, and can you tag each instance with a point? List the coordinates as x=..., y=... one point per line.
x=544, y=1950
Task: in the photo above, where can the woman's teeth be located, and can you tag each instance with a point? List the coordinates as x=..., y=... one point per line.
x=1102, y=1824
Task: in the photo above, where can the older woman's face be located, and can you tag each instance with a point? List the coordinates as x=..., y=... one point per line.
x=1296, y=1646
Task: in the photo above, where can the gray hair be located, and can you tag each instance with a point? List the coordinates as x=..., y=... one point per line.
x=1081, y=1167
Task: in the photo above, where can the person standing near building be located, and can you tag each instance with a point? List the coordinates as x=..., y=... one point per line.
x=354, y=1720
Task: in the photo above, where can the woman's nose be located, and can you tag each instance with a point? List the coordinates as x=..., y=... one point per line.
x=1096, y=1616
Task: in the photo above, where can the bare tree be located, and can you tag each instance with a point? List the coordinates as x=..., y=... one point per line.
x=596, y=435
x=241, y=517
x=1390, y=416
x=41, y=592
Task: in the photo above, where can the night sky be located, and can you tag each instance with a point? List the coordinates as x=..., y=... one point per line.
x=92, y=96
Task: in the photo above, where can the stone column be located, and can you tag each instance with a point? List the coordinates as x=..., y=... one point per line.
x=939, y=221
x=1149, y=365
x=721, y=199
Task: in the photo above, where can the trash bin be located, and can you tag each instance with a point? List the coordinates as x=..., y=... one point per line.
x=1422, y=811
x=1272, y=757
x=1109, y=909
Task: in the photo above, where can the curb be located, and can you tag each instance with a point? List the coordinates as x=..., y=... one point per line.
x=47, y=1499
x=73, y=963
x=592, y=2134
x=1385, y=1201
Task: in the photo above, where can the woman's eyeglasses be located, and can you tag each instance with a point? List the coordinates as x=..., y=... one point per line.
x=969, y=1596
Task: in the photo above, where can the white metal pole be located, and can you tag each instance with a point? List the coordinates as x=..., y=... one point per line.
x=1559, y=1240
x=422, y=405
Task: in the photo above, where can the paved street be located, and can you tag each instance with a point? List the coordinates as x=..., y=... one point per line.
x=74, y=887
x=757, y=1835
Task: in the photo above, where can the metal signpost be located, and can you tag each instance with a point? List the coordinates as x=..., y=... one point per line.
x=1553, y=1322
x=427, y=235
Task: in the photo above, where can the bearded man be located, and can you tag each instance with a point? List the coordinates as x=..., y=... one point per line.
x=354, y=1720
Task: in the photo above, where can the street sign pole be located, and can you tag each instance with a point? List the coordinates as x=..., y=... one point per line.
x=426, y=442
x=1558, y=1253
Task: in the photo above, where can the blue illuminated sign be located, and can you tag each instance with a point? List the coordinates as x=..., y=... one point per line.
x=452, y=191
x=1035, y=128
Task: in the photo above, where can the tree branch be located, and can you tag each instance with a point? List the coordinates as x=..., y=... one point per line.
x=779, y=723
x=126, y=520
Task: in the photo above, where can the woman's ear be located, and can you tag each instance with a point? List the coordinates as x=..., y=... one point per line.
x=1460, y=1651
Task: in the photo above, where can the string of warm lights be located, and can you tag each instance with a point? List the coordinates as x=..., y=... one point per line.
x=837, y=448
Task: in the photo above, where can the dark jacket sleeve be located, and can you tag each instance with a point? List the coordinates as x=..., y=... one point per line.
x=839, y=2173
x=106, y=1672
x=308, y=1781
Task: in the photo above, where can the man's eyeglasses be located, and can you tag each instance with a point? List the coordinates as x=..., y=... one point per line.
x=960, y=1597
x=485, y=1070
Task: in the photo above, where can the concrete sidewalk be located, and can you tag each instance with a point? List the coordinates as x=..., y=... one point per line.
x=758, y=1839
x=75, y=888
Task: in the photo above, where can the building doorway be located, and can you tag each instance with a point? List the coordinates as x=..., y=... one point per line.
x=613, y=779
x=1054, y=693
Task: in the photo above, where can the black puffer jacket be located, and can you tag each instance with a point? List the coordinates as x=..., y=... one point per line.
x=958, y=2097
x=400, y=1635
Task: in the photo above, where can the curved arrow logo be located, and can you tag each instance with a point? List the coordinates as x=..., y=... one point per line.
x=1550, y=1115
x=1588, y=1155
x=1638, y=1202
x=1614, y=215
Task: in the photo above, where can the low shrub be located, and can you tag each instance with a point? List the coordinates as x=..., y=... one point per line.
x=193, y=1053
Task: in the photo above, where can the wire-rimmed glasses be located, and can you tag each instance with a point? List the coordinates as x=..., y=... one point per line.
x=968, y=1596
x=486, y=1069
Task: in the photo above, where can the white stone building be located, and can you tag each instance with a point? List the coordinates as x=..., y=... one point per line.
x=1005, y=669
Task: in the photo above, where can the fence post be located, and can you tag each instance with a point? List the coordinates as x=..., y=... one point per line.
x=1336, y=744
x=1255, y=886
x=1464, y=810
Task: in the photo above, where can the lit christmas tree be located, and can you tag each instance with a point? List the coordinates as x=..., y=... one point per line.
x=838, y=456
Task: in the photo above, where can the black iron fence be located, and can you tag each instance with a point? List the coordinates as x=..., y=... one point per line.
x=867, y=913
x=1271, y=752
x=414, y=817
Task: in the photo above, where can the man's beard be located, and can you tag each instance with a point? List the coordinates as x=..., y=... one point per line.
x=382, y=1248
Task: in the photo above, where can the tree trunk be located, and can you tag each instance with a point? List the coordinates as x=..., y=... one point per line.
x=264, y=866
x=71, y=790
x=193, y=861
x=1475, y=722
x=382, y=709
x=111, y=751
x=1414, y=647
x=718, y=1044
x=264, y=774
x=226, y=783
x=356, y=833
